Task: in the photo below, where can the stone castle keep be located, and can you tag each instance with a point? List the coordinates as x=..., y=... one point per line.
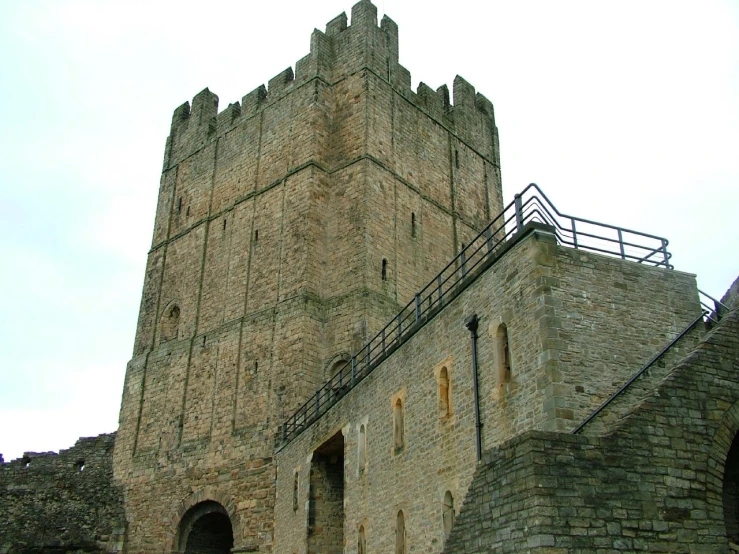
x=348, y=343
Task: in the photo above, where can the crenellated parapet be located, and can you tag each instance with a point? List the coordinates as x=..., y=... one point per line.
x=342, y=50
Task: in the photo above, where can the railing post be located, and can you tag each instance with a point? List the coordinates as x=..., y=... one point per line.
x=418, y=307
x=354, y=369
x=519, y=212
x=621, y=243
x=574, y=233
x=489, y=239
x=463, y=258
x=383, y=341
x=664, y=253
x=439, y=285
x=318, y=401
x=400, y=325
x=284, y=432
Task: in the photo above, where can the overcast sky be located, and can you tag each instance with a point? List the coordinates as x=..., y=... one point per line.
x=622, y=111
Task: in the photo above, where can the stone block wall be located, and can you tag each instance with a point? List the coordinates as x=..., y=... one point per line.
x=602, y=320
x=63, y=502
x=654, y=483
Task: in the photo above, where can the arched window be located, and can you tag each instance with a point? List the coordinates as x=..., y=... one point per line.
x=444, y=398
x=448, y=514
x=337, y=366
x=361, y=541
x=503, y=354
x=362, y=448
x=170, y=322
x=295, y=492
x=400, y=533
x=398, y=439
x=384, y=269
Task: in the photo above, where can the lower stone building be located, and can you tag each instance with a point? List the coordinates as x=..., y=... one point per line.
x=391, y=466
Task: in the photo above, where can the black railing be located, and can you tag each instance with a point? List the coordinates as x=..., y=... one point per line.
x=530, y=206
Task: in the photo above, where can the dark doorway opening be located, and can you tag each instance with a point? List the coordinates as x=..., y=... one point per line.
x=326, y=498
x=206, y=529
x=731, y=492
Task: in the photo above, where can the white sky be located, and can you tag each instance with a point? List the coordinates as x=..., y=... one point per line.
x=623, y=111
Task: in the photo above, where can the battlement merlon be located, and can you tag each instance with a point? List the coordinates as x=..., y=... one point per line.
x=341, y=50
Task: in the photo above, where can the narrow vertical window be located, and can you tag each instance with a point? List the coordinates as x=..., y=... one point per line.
x=384, y=269
x=444, y=403
x=448, y=514
x=398, y=439
x=400, y=533
x=362, y=448
x=256, y=235
x=179, y=204
x=456, y=159
x=361, y=541
x=503, y=354
x=413, y=224
x=295, y=492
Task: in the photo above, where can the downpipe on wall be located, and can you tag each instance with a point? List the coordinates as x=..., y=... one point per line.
x=471, y=324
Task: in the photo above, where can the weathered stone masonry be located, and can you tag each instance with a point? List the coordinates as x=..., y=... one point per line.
x=64, y=502
x=654, y=483
x=289, y=228
x=562, y=319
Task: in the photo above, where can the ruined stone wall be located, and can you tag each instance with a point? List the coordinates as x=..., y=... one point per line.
x=63, y=502
x=652, y=484
x=731, y=298
x=274, y=220
x=535, y=288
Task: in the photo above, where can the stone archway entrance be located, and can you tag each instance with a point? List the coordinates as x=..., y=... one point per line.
x=206, y=529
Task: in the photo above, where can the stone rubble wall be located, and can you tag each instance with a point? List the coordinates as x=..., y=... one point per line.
x=731, y=297
x=63, y=502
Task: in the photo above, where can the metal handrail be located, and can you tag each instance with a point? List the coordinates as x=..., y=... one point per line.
x=530, y=206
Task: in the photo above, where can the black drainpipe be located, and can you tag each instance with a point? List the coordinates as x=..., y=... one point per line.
x=471, y=324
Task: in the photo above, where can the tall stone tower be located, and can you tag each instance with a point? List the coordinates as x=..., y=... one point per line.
x=289, y=227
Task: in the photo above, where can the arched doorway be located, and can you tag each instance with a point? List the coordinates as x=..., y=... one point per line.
x=206, y=529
